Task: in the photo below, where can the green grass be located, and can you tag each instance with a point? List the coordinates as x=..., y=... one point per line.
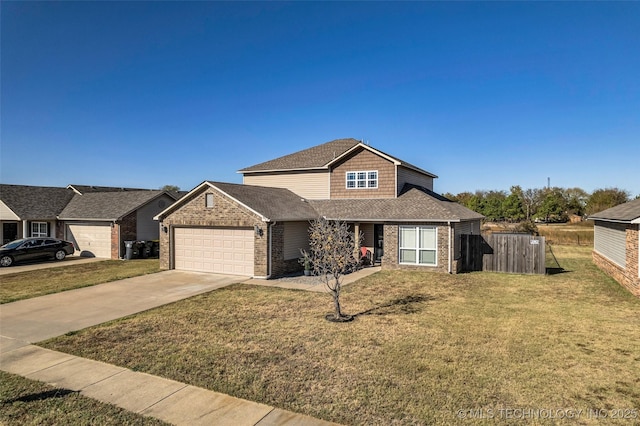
x=27, y=402
x=422, y=347
x=25, y=285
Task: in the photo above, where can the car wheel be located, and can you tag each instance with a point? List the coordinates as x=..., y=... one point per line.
x=6, y=261
x=60, y=255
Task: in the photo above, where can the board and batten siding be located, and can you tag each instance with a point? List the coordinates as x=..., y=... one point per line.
x=410, y=176
x=310, y=185
x=610, y=241
x=296, y=237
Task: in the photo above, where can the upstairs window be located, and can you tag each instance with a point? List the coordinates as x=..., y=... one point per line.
x=366, y=179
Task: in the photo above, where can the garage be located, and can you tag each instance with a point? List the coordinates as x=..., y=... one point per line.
x=90, y=240
x=217, y=250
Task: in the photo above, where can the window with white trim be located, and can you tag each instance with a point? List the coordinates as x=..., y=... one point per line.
x=39, y=229
x=418, y=245
x=363, y=179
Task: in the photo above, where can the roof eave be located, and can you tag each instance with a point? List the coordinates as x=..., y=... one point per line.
x=282, y=170
x=627, y=221
x=90, y=219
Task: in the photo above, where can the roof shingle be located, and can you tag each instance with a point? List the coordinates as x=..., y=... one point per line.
x=107, y=205
x=35, y=202
x=320, y=156
x=626, y=212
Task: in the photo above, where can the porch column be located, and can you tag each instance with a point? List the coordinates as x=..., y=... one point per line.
x=25, y=229
x=356, y=234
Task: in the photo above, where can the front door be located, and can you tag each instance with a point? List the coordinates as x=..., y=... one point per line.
x=9, y=232
x=378, y=240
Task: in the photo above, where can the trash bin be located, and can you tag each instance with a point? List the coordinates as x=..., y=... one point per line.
x=128, y=255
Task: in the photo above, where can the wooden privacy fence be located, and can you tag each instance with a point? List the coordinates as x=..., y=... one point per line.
x=511, y=253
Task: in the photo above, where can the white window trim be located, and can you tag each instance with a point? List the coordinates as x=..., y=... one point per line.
x=367, y=180
x=39, y=233
x=417, y=247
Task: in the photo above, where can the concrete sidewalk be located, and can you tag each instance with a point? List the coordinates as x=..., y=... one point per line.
x=164, y=399
x=32, y=320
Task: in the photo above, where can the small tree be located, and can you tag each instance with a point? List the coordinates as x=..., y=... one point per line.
x=331, y=251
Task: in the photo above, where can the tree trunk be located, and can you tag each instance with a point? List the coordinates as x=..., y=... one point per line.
x=336, y=300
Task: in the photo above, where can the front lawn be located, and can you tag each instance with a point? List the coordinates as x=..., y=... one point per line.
x=423, y=346
x=24, y=285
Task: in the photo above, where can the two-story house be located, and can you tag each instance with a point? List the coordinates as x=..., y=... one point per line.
x=258, y=228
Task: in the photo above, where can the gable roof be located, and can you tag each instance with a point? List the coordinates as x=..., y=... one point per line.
x=628, y=212
x=322, y=157
x=35, y=202
x=109, y=206
x=272, y=204
x=414, y=204
x=84, y=189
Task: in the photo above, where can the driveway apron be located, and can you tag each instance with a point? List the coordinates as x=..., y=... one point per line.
x=44, y=317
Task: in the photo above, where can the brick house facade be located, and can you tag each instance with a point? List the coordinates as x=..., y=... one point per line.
x=617, y=243
x=396, y=195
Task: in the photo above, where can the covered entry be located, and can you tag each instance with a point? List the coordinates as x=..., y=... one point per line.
x=217, y=250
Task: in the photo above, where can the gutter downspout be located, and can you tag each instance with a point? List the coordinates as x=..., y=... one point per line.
x=450, y=248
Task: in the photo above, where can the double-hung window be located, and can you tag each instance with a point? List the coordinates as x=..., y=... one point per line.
x=366, y=179
x=39, y=229
x=418, y=245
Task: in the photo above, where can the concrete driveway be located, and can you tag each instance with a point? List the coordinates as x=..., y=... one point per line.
x=40, y=318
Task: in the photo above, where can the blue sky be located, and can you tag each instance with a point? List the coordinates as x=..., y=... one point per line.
x=485, y=94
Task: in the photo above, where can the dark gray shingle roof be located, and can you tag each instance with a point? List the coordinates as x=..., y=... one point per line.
x=413, y=204
x=35, y=202
x=107, y=205
x=626, y=212
x=84, y=189
x=319, y=157
x=273, y=203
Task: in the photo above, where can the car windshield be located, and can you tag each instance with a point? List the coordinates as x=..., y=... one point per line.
x=13, y=244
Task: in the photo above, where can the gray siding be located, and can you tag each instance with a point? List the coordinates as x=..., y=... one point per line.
x=310, y=185
x=296, y=237
x=610, y=241
x=409, y=176
x=147, y=228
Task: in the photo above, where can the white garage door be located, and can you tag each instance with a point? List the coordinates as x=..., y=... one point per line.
x=219, y=250
x=91, y=240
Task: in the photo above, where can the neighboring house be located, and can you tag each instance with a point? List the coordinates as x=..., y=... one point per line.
x=31, y=211
x=99, y=223
x=98, y=220
x=258, y=228
x=617, y=242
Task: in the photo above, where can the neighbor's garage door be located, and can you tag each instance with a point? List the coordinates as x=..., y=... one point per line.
x=91, y=240
x=219, y=250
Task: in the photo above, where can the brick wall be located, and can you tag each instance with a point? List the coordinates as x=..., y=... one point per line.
x=390, y=258
x=364, y=160
x=627, y=276
x=225, y=214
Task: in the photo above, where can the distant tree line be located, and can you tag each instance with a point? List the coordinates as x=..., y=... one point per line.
x=551, y=204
